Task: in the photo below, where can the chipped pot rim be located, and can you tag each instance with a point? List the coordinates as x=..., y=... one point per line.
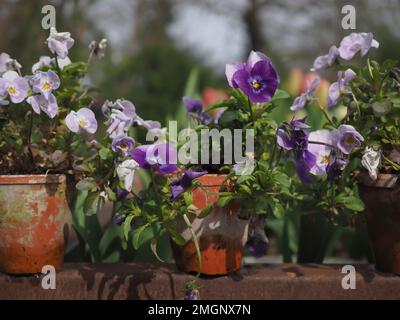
x=29, y=179
x=385, y=180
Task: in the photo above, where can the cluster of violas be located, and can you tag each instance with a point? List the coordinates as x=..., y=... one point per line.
x=319, y=152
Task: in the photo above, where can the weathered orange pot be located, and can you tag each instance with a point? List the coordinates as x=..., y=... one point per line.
x=34, y=220
x=382, y=208
x=221, y=234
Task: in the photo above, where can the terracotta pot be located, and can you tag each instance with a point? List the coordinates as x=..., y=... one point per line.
x=221, y=234
x=382, y=208
x=34, y=220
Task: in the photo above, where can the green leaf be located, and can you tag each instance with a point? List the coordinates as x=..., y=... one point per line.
x=277, y=210
x=354, y=203
x=223, y=201
x=105, y=153
x=86, y=184
x=281, y=94
x=93, y=203
x=136, y=235
x=282, y=179
x=127, y=226
x=176, y=237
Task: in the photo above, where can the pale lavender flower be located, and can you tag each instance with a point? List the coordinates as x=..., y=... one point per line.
x=123, y=143
x=121, y=115
x=340, y=87
x=300, y=101
x=326, y=61
x=44, y=61
x=3, y=93
x=45, y=82
x=41, y=103
x=321, y=150
x=356, y=42
x=62, y=63
x=82, y=121
x=346, y=137
x=8, y=64
x=15, y=86
x=59, y=43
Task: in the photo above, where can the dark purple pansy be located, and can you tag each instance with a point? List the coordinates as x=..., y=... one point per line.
x=121, y=194
x=195, y=109
x=257, y=78
x=335, y=168
x=118, y=220
x=123, y=143
x=294, y=137
x=184, y=182
x=162, y=157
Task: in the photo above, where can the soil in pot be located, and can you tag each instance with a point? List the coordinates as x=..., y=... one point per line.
x=34, y=222
x=382, y=209
x=221, y=234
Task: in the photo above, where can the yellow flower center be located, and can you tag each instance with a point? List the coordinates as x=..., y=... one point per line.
x=46, y=86
x=350, y=140
x=256, y=85
x=11, y=90
x=83, y=123
x=325, y=159
x=123, y=146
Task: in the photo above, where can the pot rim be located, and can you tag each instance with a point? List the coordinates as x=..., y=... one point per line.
x=29, y=179
x=385, y=180
x=212, y=179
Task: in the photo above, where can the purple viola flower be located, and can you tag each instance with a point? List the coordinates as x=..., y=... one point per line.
x=59, y=43
x=335, y=168
x=195, y=108
x=257, y=78
x=257, y=243
x=118, y=220
x=347, y=138
x=320, y=144
x=45, y=82
x=340, y=87
x=184, y=182
x=356, y=42
x=15, y=86
x=41, y=103
x=83, y=121
x=294, y=137
x=326, y=61
x=123, y=143
x=300, y=101
x=162, y=157
x=121, y=194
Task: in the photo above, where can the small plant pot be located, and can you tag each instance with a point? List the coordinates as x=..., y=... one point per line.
x=221, y=234
x=382, y=208
x=34, y=222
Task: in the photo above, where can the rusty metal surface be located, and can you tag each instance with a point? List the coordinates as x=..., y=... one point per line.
x=145, y=281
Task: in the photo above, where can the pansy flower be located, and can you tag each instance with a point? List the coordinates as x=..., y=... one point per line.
x=326, y=61
x=45, y=82
x=59, y=43
x=15, y=86
x=123, y=144
x=347, y=138
x=41, y=103
x=320, y=144
x=340, y=87
x=194, y=108
x=300, y=101
x=356, y=42
x=257, y=78
x=126, y=173
x=82, y=120
x=184, y=182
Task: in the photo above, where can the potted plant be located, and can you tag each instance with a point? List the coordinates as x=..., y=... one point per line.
x=39, y=157
x=170, y=184
x=370, y=94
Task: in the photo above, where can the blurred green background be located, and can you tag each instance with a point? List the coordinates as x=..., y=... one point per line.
x=161, y=49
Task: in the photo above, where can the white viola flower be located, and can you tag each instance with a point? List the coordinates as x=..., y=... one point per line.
x=83, y=121
x=41, y=103
x=44, y=61
x=59, y=43
x=319, y=145
x=15, y=86
x=62, y=63
x=8, y=64
x=370, y=160
x=126, y=173
x=246, y=166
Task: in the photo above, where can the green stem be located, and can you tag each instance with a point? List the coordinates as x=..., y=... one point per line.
x=326, y=115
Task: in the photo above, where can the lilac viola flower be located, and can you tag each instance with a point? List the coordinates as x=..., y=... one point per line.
x=347, y=138
x=162, y=157
x=59, y=43
x=123, y=143
x=41, y=103
x=195, y=108
x=257, y=243
x=184, y=182
x=120, y=114
x=15, y=86
x=300, y=101
x=326, y=61
x=83, y=121
x=335, y=168
x=45, y=82
x=8, y=64
x=44, y=61
x=320, y=144
x=340, y=87
x=257, y=78
x=356, y=42
x=294, y=137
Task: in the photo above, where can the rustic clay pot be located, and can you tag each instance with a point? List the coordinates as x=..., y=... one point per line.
x=382, y=208
x=221, y=234
x=34, y=219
